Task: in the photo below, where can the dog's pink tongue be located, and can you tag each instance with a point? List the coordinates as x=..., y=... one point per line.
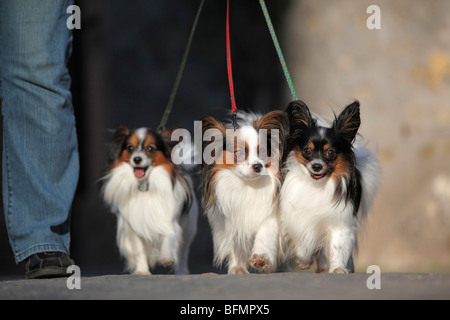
x=139, y=172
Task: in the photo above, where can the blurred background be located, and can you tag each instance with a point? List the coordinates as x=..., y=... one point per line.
x=126, y=57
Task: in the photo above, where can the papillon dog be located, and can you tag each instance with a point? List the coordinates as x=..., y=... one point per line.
x=241, y=181
x=154, y=201
x=329, y=184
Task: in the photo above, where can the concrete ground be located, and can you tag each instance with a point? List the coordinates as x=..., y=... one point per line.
x=276, y=286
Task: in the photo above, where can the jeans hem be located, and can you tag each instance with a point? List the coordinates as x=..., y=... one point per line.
x=21, y=256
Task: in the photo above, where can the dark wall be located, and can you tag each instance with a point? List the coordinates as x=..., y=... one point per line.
x=124, y=64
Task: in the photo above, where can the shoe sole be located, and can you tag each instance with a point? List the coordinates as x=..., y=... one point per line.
x=47, y=273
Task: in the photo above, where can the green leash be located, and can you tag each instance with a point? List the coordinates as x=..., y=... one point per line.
x=162, y=125
x=278, y=48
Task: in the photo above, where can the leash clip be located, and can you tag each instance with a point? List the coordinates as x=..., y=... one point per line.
x=235, y=124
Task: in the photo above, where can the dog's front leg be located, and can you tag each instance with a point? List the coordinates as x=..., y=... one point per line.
x=132, y=248
x=342, y=242
x=265, y=247
x=235, y=263
x=169, y=250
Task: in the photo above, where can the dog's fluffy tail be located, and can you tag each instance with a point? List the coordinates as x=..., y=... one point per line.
x=368, y=166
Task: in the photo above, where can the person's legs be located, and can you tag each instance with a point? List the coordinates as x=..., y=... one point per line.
x=40, y=149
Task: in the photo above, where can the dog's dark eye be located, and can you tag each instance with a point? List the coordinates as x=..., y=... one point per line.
x=330, y=154
x=239, y=153
x=149, y=149
x=307, y=152
x=130, y=148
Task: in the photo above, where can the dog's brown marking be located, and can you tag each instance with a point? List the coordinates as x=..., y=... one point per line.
x=341, y=168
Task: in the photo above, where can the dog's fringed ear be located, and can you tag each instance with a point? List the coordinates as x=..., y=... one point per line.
x=275, y=120
x=348, y=122
x=214, y=138
x=119, y=135
x=166, y=135
x=116, y=144
x=299, y=116
x=211, y=123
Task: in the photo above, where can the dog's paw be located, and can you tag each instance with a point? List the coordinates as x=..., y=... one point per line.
x=238, y=270
x=302, y=264
x=340, y=271
x=260, y=262
x=167, y=261
x=321, y=269
x=141, y=273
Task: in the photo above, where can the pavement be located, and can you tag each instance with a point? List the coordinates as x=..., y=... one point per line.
x=275, y=286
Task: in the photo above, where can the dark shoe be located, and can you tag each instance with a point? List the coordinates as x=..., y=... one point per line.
x=47, y=265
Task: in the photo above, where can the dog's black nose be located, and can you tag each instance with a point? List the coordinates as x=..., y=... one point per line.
x=317, y=167
x=257, y=167
x=137, y=160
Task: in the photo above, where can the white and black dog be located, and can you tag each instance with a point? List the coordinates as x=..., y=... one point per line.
x=329, y=184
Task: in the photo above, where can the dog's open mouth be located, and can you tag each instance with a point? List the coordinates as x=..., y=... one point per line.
x=317, y=176
x=139, y=172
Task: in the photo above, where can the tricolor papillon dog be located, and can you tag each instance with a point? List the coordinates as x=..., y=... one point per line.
x=153, y=199
x=329, y=184
x=241, y=182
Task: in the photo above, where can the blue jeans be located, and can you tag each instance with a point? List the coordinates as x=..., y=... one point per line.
x=40, y=149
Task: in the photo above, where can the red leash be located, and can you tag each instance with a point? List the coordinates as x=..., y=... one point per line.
x=230, y=72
